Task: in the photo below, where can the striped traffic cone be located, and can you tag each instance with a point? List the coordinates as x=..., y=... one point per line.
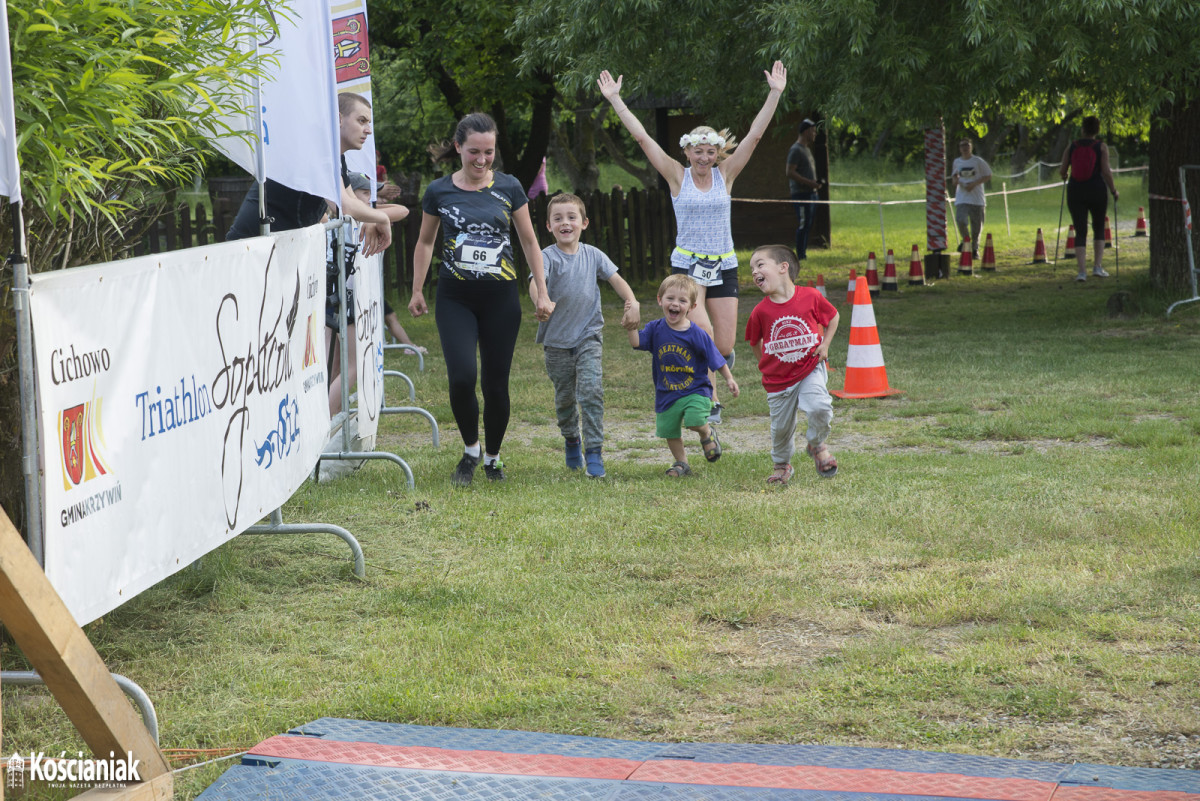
x=1071, y=239
x=965, y=264
x=1141, y=229
x=1039, y=249
x=866, y=377
x=1107, y=233
x=988, y=263
x=872, y=276
x=821, y=285
x=889, y=274
x=850, y=288
x=916, y=273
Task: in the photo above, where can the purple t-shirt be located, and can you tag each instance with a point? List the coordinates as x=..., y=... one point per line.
x=681, y=361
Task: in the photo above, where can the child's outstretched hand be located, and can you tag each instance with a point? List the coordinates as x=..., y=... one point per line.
x=733, y=387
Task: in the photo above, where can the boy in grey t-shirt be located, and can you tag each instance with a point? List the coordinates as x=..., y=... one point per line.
x=572, y=337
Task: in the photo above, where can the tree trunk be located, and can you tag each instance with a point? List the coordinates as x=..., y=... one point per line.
x=1174, y=141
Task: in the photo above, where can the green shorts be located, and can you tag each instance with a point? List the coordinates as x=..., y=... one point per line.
x=689, y=411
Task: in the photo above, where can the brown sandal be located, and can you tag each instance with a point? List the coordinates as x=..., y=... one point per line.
x=826, y=464
x=781, y=476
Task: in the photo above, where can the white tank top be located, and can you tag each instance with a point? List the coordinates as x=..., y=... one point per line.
x=702, y=221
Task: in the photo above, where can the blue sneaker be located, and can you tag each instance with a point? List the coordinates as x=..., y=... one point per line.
x=574, y=451
x=595, y=464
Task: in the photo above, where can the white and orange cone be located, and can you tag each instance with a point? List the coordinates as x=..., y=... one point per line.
x=1107, y=233
x=866, y=377
x=821, y=285
x=1071, y=240
x=872, y=276
x=1039, y=249
x=1141, y=229
x=988, y=262
x=966, y=265
x=916, y=273
x=850, y=288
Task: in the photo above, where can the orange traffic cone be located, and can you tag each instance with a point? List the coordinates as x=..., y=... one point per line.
x=916, y=274
x=1071, y=240
x=821, y=285
x=866, y=376
x=1107, y=233
x=889, y=274
x=1141, y=230
x=965, y=265
x=1039, y=249
x=872, y=275
x=988, y=264
x=850, y=288
x=812, y=284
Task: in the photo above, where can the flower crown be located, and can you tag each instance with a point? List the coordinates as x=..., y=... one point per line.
x=707, y=138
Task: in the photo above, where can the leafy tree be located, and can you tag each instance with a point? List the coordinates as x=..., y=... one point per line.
x=878, y=62
x=110, y=116
x=465, y=49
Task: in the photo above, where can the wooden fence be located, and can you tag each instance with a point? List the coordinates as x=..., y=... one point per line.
x=636, y=229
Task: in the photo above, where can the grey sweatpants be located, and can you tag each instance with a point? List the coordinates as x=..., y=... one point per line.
x=809, y=396
x=578, y=390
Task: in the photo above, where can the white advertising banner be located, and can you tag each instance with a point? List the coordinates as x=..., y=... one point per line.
x=10, y=170
x=368, y=331
x=300, y=139
x=183, y=397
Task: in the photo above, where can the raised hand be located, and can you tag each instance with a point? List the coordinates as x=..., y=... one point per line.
x=777, y=77
x=608, y=87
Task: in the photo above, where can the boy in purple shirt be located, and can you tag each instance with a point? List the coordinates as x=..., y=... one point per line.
x=682, y=356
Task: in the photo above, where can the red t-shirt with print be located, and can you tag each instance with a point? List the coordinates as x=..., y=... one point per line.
x=790, y=333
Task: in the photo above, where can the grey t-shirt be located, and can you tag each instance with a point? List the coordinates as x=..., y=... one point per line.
x=571, y=280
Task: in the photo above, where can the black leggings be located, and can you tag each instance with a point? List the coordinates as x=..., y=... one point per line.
x=1084, y=197
x=486, y=314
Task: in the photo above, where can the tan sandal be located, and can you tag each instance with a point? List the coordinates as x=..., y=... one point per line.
x=826, y=464
x=782, y=475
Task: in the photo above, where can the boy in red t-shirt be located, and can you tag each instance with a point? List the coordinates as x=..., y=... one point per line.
x=790, y=330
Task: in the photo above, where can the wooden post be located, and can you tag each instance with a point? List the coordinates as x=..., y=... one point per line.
x=61, y=653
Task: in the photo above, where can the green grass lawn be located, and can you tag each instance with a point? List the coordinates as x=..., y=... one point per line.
x=1006, y=564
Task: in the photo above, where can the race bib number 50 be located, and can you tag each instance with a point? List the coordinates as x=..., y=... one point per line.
x=478, y=253
x=706, y=272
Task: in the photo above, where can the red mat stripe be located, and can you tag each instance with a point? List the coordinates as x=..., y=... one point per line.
x=871, y=780
x=427, y=758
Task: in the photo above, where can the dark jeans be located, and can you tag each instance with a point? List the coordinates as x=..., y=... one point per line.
x=805, y=214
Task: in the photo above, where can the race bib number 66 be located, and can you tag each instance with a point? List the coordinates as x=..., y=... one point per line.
x=478, y=253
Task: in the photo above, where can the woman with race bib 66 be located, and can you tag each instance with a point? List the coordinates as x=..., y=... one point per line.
x=700, y=195
x=478, y=305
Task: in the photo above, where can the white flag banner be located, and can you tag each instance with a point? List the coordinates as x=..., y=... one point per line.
x=298, y=105
x=352, y=65
x=10, y=170
x=368, y=350
x=183, y=397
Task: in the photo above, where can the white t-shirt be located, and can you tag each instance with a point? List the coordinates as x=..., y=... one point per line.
x=970, y=170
